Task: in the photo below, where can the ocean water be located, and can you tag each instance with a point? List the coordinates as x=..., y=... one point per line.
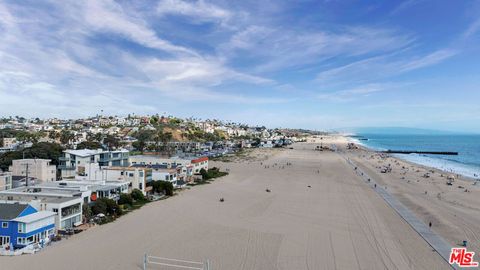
x=468, y=147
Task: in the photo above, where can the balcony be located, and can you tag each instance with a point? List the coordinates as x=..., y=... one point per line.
x=66, y=167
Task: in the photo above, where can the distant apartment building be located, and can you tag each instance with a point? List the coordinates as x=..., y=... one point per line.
x=41, y=169
x=9, y=142
x=181, y=146
x=75, y=162
x=5, y=180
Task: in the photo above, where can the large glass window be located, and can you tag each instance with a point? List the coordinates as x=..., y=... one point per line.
x=4, y=240
x=70, y=210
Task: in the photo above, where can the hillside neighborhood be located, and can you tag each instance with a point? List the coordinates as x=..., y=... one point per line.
x=58, y=177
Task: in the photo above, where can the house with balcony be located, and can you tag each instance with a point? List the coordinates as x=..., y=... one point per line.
x=75, y=162
x=162, y=172
x=66, y=204
x=22, y=225
x=137, y=177
x=196, y=163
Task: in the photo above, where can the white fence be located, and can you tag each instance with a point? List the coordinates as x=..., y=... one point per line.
x=174, y=263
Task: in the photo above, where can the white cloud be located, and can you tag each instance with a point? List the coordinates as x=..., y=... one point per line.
x=472, y=29
x=357, y=92
x=198, y=10
x=282, y=48
x=428, y=60
x=383, y=66
x=109, y=16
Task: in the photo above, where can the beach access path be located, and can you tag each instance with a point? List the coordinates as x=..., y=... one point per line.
x=338, y=222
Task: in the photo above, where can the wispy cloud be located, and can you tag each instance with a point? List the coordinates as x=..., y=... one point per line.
x=472, y=29
x=107, y=15
x=357, y=92
x=384, y=66
x=406, y=4
x=198, y=10
x=280, y=48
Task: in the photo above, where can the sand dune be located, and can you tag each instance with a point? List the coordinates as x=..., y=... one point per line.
x=338, y=223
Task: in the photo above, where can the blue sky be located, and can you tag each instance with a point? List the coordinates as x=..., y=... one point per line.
x=309, y=64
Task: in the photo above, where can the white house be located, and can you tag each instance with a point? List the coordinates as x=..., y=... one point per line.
x=74, y=162
x=138, y=178
x=66, y=204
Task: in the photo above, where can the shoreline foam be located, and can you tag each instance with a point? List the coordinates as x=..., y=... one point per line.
x=447, y=166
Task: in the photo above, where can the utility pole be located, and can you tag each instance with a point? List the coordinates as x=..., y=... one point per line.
x=26, y=175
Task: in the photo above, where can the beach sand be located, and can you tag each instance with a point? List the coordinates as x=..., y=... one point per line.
x=337, y=223
x=454, y=210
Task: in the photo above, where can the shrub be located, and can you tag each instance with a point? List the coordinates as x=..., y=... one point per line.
x=167, y=187
x=125, y=199
x=137, y=195
x=106, y=206
x=163, y=187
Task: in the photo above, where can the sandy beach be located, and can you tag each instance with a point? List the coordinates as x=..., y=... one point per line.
x=454, y=210
x=338, y=222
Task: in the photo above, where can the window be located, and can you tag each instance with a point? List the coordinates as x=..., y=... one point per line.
x=20, y=240
x=130, y=174
x=22, y=227
x=4, y=224
x=4, y=240
x=55, y=210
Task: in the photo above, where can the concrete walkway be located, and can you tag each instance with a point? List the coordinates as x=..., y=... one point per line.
x=433, y=239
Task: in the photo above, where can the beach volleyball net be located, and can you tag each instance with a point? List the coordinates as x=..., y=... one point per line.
x=154, y=262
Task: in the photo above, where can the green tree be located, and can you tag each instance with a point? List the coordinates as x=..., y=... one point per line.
x=112, y=142
x=89, y=145
x=99, y=207
x=42, y=150
x=142, y=136
x=66, y=137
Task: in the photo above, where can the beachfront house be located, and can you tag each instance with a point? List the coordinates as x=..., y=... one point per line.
x=65, y=203
x=167, y=173
x=22, y=225
x=196, y=162
x=138, y=178
x=75, y=162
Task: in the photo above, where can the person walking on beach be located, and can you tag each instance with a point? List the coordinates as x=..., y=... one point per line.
x=430, y=224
